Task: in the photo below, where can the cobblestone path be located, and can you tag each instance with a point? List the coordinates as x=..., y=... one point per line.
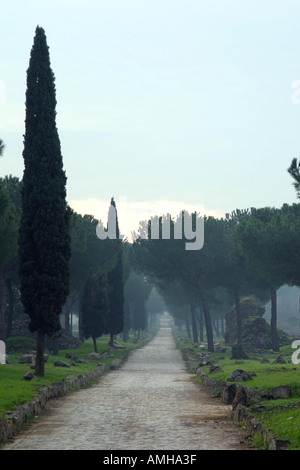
x=150, y=403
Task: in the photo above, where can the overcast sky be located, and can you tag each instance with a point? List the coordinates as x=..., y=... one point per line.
x=162, y=103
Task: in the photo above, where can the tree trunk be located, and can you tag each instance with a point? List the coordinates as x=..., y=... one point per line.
x=187, y=326
x=71, y=323
x=207, y=318
x=199, y=317
x=40, y=361
x=274, y=336
x=222, y=327
x=95, y=345
x=80, y=324
x=201, y=325
x=216, y=327
x=2, y=304
x=194, y=324
x=111, y=340
x=125, y=334
x=72, y=298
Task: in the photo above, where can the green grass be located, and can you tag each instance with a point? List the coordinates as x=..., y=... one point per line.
x=284, y=422
x=267, y=375
x=14, y=391
x=280, y=417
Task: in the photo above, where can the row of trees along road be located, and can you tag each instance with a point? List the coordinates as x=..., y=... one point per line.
x=90, y=283
x=248, y=252
x=51, y=254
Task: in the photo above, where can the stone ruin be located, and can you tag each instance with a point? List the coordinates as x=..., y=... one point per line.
x=63, y=339
x=256, y=332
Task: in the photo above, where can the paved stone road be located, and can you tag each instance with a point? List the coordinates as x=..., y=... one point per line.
x=150, y=403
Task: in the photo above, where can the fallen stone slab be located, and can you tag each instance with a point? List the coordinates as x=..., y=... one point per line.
x=94, y=355
x=239, y=375
x=61, y=364
x=27, y=359
x=30, y=376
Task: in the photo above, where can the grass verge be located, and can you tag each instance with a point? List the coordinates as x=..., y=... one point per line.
x=14, y=391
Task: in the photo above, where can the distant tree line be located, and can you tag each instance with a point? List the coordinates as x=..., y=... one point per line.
x=248, y=252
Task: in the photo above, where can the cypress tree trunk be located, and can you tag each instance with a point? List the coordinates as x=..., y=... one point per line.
x=95, y=344
x=40, y=348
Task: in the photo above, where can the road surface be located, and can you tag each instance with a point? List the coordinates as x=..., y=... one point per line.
x=150, y=403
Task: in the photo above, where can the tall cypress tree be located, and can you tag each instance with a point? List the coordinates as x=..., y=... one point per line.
x=115, y=318
x=44, y=240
